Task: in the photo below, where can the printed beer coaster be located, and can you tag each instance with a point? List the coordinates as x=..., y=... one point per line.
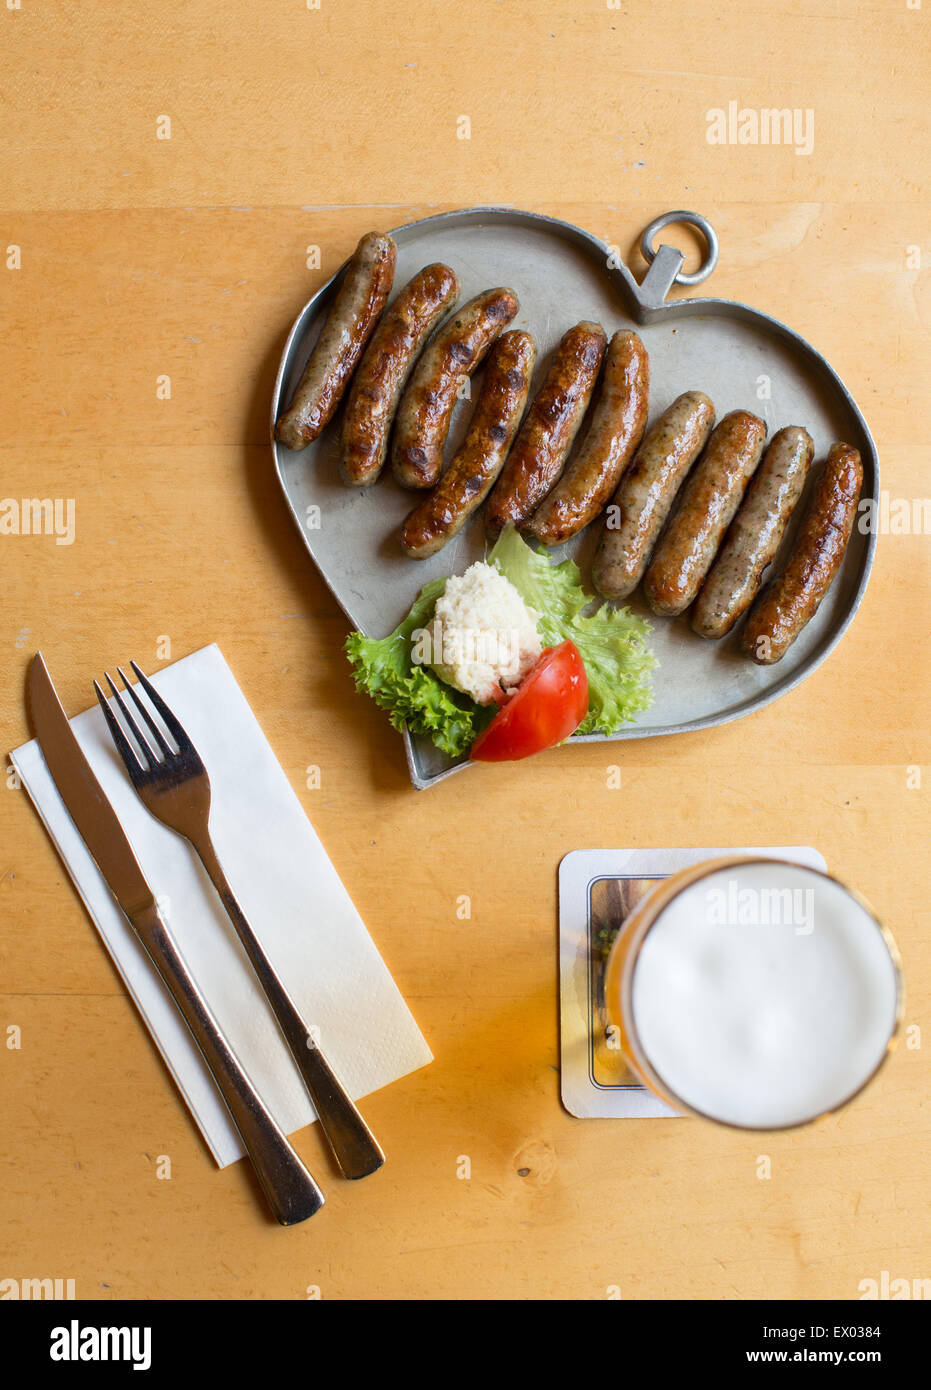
x=597, y=890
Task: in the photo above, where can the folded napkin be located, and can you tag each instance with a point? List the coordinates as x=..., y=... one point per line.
x=288, y=889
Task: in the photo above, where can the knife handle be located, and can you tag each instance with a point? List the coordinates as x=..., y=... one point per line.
x=288, y=1185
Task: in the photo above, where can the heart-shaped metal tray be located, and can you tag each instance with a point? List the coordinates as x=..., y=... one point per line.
x=740, y=357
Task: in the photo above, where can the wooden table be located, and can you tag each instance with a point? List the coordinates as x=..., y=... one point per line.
x=144, y=258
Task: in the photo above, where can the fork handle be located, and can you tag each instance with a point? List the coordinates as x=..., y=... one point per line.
x=288, y=1185
x=355, y=1147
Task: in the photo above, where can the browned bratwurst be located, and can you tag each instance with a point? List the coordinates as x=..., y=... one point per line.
x=648, y=489
x=381, y=375
x=551, y=424
x=707, y=503
x=356, y=310
x=427, y=404
x=755, y=534
x=619, y=418
x=471, y=475
x=793, y=597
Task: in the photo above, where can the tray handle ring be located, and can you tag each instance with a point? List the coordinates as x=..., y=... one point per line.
x=666, y=263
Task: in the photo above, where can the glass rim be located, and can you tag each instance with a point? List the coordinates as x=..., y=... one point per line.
x=641, y=1061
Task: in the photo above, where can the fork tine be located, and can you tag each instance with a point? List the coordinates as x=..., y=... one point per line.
x=145, y=748
x=124, y=747
x=171, y=723
x=140, y=706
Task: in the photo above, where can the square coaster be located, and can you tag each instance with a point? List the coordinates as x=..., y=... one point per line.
x=598, y=888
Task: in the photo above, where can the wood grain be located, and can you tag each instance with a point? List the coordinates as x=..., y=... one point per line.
x=142, y=258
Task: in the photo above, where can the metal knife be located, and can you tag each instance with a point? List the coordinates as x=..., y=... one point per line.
x=291, y=1191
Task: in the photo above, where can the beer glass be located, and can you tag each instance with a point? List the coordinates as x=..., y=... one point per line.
x=758, y=993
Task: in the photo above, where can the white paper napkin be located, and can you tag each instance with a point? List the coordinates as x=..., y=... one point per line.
x=288, y=889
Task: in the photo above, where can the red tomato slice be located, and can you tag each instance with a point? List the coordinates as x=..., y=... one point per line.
x=549, y=705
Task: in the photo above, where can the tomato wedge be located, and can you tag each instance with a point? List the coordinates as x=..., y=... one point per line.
x=548, y=705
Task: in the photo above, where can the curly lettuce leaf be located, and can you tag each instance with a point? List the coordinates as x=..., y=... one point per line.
x=612, y=641
x=411, y=693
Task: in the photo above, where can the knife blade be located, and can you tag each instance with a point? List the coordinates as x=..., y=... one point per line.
x=288, y=1185
x=83, y=795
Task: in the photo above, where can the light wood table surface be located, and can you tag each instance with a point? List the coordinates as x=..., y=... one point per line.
x=141, y=257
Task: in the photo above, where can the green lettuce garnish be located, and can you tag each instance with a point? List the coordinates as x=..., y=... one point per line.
x=413, y=694
x=612, y=643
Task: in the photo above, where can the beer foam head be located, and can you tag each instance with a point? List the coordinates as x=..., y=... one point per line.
x=764, y=995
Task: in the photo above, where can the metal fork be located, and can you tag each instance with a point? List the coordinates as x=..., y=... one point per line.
x=176, y=789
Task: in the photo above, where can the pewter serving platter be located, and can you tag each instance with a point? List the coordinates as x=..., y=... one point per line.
x=563, y=274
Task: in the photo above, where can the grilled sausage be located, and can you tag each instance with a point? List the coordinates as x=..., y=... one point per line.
x=551, y=424
x=707, y=503
x=793, y=597
x=427, y=404
x=648, y=489
x=755, y=534
x=381, y=375
x=619, y=418
x=356, y=310
x=472, y=473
